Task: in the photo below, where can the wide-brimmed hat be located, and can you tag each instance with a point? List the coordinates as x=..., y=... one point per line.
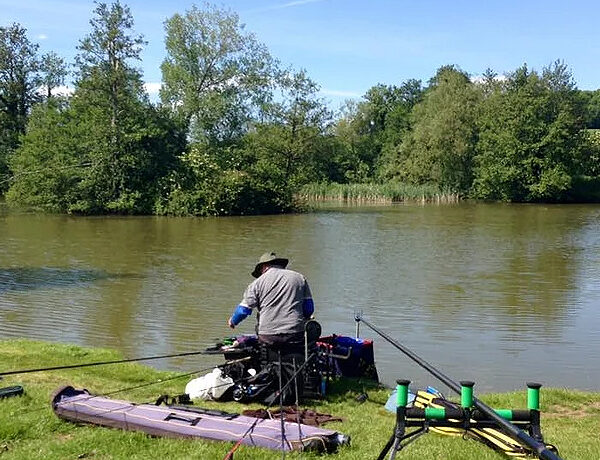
x=268, y=258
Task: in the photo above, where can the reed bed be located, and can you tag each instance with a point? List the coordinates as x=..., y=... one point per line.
x=386, y=193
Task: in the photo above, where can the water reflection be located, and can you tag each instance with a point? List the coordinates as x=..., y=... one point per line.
x=494, y=293
x=27, y=278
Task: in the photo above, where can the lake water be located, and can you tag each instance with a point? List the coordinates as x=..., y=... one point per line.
x=499, y=294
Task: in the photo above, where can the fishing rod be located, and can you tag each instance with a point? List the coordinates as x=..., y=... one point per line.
x=147, y=384
x=543, y=452
x=101, y=363
x=278, y=395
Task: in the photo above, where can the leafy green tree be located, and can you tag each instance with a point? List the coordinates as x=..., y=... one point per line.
x=103, y=60
x=287, y=148
x=110, y=99
x=369, y=121
x=398, y=126
x=106, y=149
x=440, y=147
x=53, y=72
x=248, y=148
x=591, y=102
x=19, y=81
x=349, y=149
x=51, y=162
x=215, y=74
x=371, y=130
x=291, y=139
x=356, y=144
x=199, y=186
x=530, y=135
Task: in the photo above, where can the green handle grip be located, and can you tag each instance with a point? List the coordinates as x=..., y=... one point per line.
x=402, y=393
x=466, y=394
x=533, y=395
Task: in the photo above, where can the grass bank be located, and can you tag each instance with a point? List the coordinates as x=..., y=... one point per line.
x=391, y=192
x=29, y=429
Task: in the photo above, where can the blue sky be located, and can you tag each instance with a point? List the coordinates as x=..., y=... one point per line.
x=347, y=46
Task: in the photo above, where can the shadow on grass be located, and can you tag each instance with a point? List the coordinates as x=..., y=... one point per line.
x=347, y=388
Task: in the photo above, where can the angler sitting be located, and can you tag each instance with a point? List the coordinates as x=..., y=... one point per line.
x=283, y=302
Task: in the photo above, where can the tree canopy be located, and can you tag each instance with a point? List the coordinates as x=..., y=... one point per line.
x=19, y=80
x=215, y=74
x=105, y=148
x=530, y=134
x=441, y=143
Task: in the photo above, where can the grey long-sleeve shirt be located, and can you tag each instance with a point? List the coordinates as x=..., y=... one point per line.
x=278, y=295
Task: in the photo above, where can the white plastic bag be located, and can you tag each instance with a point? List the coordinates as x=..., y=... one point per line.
x=209, y=386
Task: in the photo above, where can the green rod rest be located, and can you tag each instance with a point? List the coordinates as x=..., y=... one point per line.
x=402, y=393
x=533, y=395
x=435, y=413
x=506, y=414
x=466, y=393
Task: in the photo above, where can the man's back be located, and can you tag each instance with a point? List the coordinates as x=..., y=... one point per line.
x=278, y=295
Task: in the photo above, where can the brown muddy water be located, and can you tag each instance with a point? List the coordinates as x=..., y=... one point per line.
x=499, y=294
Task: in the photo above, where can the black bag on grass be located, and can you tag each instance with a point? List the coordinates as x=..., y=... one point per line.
x=264, y=386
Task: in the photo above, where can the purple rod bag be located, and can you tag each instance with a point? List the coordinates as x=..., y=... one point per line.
x=80, y=406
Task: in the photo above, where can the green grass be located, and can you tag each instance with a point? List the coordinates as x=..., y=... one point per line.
x=29, y=429
x=390, y=192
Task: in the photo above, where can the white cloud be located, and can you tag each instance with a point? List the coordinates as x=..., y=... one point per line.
x=63, y=90
x=57, y=91
x=152, y=88
x=298, y=2
x=289, y=5
x=480, y=78
x=42, y=37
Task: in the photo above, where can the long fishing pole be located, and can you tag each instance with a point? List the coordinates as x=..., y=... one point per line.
x=147, y=384
x=101, y=363
x=541, y=449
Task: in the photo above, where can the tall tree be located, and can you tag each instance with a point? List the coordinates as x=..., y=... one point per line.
x=110, y=98
x=106, y=148
x=53, y=71
x=219, y=80
x=215, y=74
x=19, y=81
x=441, y=144
x=291, y=138
x=104, y=56
x=530, y=135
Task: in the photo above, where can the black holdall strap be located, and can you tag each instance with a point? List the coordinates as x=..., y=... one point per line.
x=170, y=401
x=162, y=399
x=16, y=390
